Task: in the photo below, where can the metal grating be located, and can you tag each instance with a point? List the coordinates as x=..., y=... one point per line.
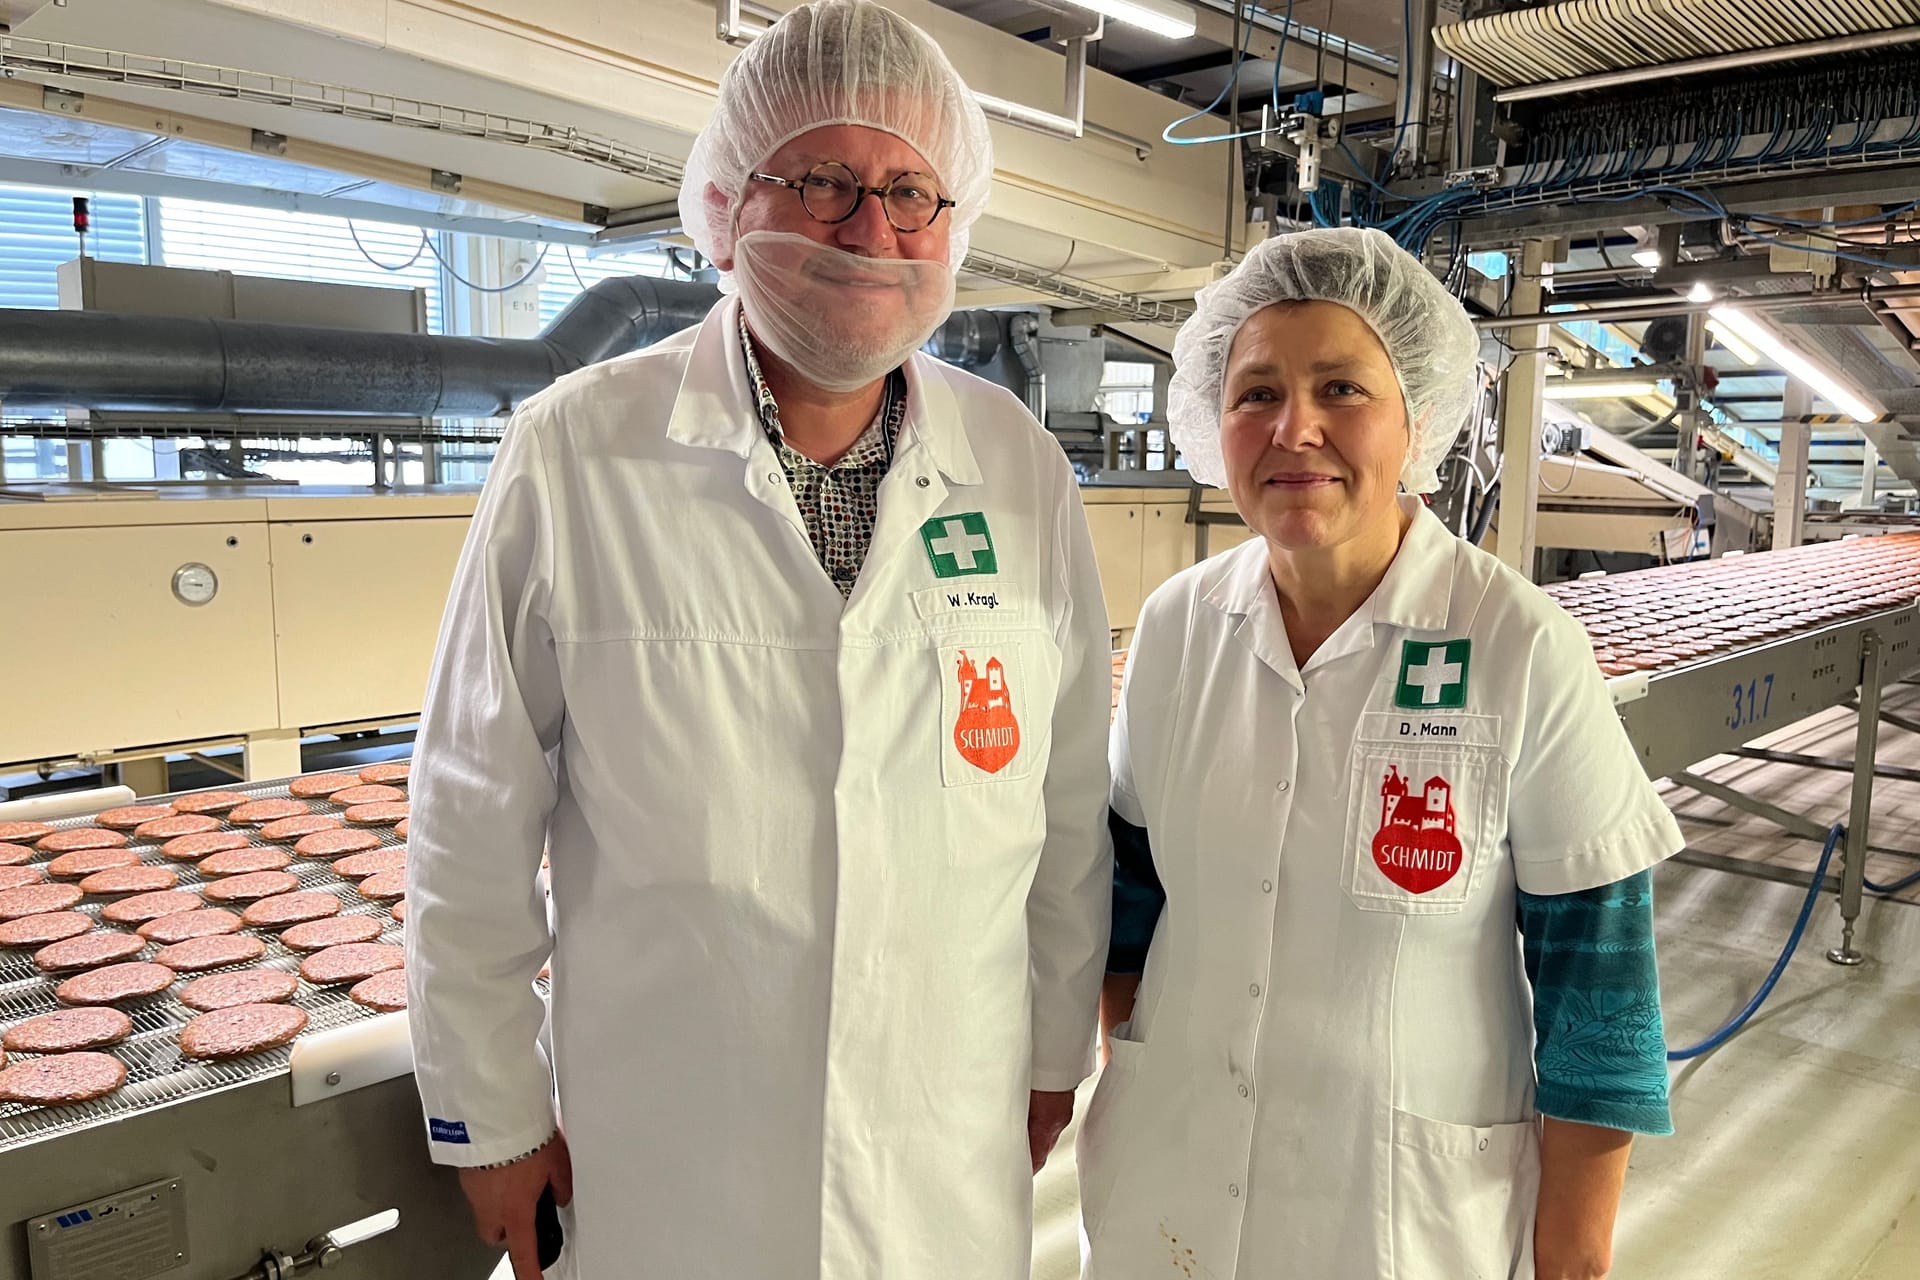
x=1589, y=37
x=156, y=1073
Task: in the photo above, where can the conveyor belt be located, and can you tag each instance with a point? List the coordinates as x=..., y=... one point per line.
x=156, y=1073
x=1587, y=37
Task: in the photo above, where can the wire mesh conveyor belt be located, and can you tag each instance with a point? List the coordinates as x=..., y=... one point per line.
x=1658, y=620
x=1587, y=37
x=157, y=1073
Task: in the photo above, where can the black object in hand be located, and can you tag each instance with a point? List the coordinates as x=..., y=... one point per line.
x=547, y=1235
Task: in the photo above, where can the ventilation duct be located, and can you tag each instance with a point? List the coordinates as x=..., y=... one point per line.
x=108, y=362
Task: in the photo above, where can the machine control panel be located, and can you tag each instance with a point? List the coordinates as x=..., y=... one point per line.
x=128, y=1235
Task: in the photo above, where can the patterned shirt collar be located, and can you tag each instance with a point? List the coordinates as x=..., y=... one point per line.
x=876, y=444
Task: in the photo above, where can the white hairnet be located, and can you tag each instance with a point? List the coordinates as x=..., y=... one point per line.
x=1429, y=339
x=837, y=62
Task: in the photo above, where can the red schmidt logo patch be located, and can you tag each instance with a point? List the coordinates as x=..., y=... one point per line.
x=985, y=733
x=1417, y=847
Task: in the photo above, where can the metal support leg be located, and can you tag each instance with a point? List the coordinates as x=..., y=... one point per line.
x=272, y=754
x=1866, y=740
x=1792, y=823
x=147, y=777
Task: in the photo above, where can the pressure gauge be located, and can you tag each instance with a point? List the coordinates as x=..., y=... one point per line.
x=195, y=584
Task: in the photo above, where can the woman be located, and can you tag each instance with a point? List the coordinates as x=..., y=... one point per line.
x=1372, y=810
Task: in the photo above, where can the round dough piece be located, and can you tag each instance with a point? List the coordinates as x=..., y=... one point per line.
x=68, y=1031
x=240, y=862
x=32, y=899
x=240, y=1030
x=367, y=793
x=61, y=1079
x=202, y=922
x=380, y=813
x=256, y=813
x=351, y=962
x=80, y=838
x=334, y=931
x=304, y=825
x=392, y=772
x=142, y=907
x=400, y=828
x=117, y=881
x=134, y=980
x=210, y=801
x=331, y=844
x=13, y=830
x=16, y=877
x=290, y=909
x=16, y=855
x=386, y=992
x=193, y=848
x=75, y=866
x=357, y=865
x=247, y=986
x=128, y=817
x=319, y=785
x=216, y=952
x=88, y=951
x=385, y=886
x=177, y=824
x=399, y=911
x=252, y=886
x=34, y=932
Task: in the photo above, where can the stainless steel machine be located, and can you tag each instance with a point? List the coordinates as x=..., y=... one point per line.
x=282, y=1163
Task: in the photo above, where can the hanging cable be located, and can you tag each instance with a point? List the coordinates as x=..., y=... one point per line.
x=484, y=288
x=418, y=249
x=1232, y=84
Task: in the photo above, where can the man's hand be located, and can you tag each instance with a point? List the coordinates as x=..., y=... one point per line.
x=1048, y=1115
x=503, y=1201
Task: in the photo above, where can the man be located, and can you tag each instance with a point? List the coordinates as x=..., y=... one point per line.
x=788, y=642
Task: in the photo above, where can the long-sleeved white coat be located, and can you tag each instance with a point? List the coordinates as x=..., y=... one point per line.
x=815, y=930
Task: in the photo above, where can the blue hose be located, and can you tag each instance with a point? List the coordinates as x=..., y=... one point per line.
x=1895, y=887
x=1741, y=1019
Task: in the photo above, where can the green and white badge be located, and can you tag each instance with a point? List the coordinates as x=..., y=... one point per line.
x=1433, y=675
x=959, y=546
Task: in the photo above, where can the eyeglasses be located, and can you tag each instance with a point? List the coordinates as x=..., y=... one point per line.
x=831, y=193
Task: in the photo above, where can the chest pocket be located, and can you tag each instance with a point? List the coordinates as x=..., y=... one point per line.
x=1425, y=811
x=988, y=704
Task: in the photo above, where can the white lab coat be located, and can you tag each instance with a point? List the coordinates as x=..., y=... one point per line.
x=1328, y=1074
x=809, y=954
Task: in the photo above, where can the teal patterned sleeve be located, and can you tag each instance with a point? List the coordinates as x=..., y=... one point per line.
x=1600, y=1051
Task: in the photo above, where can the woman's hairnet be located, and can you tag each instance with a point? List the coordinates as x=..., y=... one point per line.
x=1427, y=335
x=837, y=62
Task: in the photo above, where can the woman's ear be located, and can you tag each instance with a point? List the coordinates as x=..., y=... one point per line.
x=720, y=218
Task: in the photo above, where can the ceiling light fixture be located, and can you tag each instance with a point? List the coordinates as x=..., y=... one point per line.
x=1701, y=292
x=1598, y=389
x=1648, y=258
x=1757, y=333
x=1166, y=18
x=1741, y=349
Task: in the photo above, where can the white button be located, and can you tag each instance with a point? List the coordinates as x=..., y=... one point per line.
x=1244, y=1091
x=1233, y=1190
x=1483, y=1144
x=1253, y=989
x=1282, y=785
x=1266, y=886
x=774, y=477
x=922, y=481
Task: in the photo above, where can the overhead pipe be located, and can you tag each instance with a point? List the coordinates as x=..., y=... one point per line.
x=968, y=339
x=1023, y=329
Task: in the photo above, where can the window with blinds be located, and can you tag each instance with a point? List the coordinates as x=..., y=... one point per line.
x=36, y=236
x=300, y=246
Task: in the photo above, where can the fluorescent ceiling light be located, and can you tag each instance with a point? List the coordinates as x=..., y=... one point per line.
x=1762, y=336
x=1166, y=18
x=1648, y=258
x=1600, y=389
x=1742, y=350
x=1701, y=292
